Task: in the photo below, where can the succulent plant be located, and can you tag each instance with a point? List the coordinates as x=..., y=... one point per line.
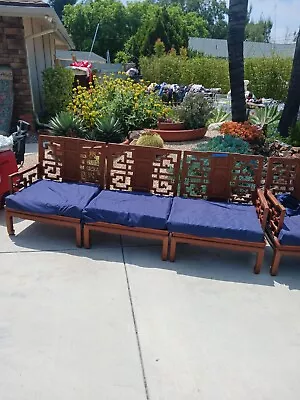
x=109, y=130
x=218, y=116
x=225, y=144
x=265, y=116
x=67, y=124
x=148, y=138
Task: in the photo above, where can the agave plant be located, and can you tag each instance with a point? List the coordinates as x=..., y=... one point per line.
x=109, y=130
x=67, y=124
x=218, y=116
x=265, y=116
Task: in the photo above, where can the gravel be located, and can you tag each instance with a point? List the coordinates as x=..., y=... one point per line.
x=190, y=145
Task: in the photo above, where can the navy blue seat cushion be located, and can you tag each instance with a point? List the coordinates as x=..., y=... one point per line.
x=53, y=198
x=291, y=204
x=132, y=209
x=290, y=233
x=213, y=219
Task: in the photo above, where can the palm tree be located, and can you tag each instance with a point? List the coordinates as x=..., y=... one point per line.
x=291, y=108
x=236, y=34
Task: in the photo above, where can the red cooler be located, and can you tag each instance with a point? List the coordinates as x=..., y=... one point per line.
x=8, y=165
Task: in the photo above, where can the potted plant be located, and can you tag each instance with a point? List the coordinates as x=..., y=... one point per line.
x=195, y=111
x=170, y=124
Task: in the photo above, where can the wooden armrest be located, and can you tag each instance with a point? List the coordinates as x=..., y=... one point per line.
x=262, y=198
x=262, y=208
x=24, y=171
x=277, y=213
x=16, y=177
x=274, y=201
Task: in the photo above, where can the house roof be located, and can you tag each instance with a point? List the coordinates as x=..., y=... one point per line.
x=38, y=9
x=24, y=3
x=80, y=56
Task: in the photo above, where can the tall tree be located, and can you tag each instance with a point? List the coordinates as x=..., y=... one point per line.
x=81, y=21
x=291, y=109
x=235, y=41
x=166, y=24
x=59, y=5
x=259, y=31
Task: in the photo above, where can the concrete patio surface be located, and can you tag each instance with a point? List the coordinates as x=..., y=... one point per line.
x=116, y=323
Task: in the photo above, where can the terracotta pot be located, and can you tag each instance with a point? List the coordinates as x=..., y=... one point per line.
x=170, y=126
x=181, y=135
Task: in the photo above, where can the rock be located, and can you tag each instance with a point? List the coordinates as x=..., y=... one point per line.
x=214, y=127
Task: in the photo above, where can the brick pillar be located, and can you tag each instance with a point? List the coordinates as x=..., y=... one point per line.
x=13, y=54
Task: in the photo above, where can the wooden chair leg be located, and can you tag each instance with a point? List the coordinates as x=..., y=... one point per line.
x=164, y=252
x=275, y=262
x=259, y=261
x=172, y=249
x=9, y=223
x=86, y=237
x=79, y=236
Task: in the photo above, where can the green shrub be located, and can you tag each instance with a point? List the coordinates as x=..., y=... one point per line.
x=194, y=111
x=294, y=135
x=129, y=102
x=225, y=144
x=268, y=76
x=168, y=68
x=57, y=85
x=272, y=133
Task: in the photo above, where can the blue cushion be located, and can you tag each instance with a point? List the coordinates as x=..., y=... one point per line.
x=290, y=233
x=291, y=204
x=212, y=219
x=129, y=209
x=53, y=198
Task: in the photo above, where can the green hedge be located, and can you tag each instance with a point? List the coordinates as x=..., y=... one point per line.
x=268, y=76
x=57, y=85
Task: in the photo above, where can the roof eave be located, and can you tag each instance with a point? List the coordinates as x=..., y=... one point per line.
x=19, y=11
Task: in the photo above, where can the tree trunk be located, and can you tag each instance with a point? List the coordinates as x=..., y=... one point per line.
x=236, y=35
x=291, y=108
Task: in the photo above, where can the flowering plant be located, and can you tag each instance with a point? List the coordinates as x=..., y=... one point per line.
x=126, y=100
x=250, y=133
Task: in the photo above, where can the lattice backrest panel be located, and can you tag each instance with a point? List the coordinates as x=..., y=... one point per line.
x=142, y=169
x=72, y=159
x=220, y=176
x=283, y=175
x=195, y=174
x=246, y=174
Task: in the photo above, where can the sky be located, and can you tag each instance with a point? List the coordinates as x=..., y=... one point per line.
x=285, y=15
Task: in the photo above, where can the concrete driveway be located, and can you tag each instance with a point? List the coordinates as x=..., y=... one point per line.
x=116, y=323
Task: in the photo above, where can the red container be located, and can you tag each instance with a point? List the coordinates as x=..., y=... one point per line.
x=8, y=165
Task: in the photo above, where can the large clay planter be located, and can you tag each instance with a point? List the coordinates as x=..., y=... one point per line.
x=170, y=126
x=181, y=135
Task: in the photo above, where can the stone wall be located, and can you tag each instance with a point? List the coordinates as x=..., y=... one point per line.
x=13, y=54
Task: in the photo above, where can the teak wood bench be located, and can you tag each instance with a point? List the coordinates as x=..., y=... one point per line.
x=207, y=199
